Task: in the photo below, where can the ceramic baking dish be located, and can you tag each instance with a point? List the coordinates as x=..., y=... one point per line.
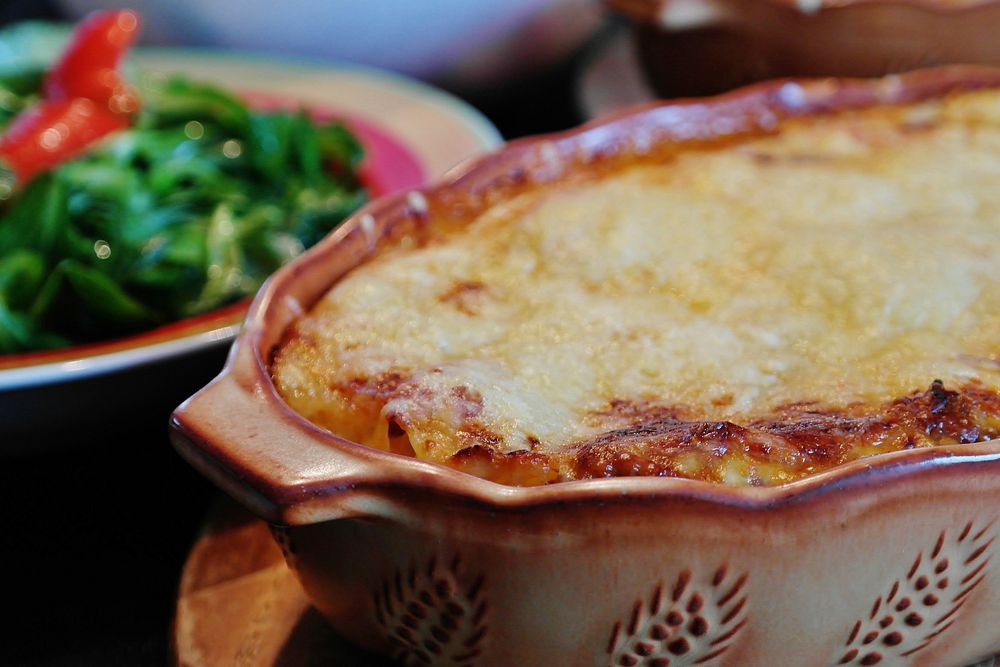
x=698, y=47
x=888, y=560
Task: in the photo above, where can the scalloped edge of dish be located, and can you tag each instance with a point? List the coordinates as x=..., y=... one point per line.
x=303, y=473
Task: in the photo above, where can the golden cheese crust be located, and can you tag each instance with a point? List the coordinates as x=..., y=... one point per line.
x=749, y=312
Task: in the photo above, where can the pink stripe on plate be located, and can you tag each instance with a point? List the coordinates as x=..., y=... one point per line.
x=389, y=165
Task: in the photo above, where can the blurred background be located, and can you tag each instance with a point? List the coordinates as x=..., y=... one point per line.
x=543, y=65
x=518, y=59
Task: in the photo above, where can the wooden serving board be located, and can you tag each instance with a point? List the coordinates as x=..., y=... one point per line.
x=240, y=605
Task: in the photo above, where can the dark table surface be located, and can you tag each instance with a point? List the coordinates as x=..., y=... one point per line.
x=98, y=519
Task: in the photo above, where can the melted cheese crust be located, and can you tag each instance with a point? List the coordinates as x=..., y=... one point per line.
x=747, y=314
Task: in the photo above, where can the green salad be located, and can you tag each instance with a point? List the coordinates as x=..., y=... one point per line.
x=188, y=208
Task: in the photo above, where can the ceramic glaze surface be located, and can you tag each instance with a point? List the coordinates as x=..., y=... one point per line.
x=923, y=604
x=431, y=617
x=681, y=626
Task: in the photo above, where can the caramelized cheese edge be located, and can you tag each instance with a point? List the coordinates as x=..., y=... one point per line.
x=747, y=315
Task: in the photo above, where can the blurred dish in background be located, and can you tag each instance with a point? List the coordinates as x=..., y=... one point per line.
x=412, y=133
x=610, y=77
x=457, y=43
x=703, y=47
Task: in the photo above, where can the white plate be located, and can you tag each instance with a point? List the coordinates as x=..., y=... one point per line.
x=437, y=129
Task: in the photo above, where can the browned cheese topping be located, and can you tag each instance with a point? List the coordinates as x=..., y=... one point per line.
x=748, y=313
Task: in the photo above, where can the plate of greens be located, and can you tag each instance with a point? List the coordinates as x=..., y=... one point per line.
x=145, y=195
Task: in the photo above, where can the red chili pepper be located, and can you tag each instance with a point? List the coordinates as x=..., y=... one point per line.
x=52, y=132
x=85, y=98
x=89, y=65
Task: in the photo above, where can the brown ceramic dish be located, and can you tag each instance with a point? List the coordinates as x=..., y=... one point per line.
x=887, y=560
x=699, y=47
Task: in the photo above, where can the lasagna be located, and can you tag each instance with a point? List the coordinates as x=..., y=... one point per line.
x=747, y=312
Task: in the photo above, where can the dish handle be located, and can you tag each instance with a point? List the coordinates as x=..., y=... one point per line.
x=241, y=435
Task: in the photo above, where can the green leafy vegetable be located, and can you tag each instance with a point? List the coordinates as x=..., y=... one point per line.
x=186, y=211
